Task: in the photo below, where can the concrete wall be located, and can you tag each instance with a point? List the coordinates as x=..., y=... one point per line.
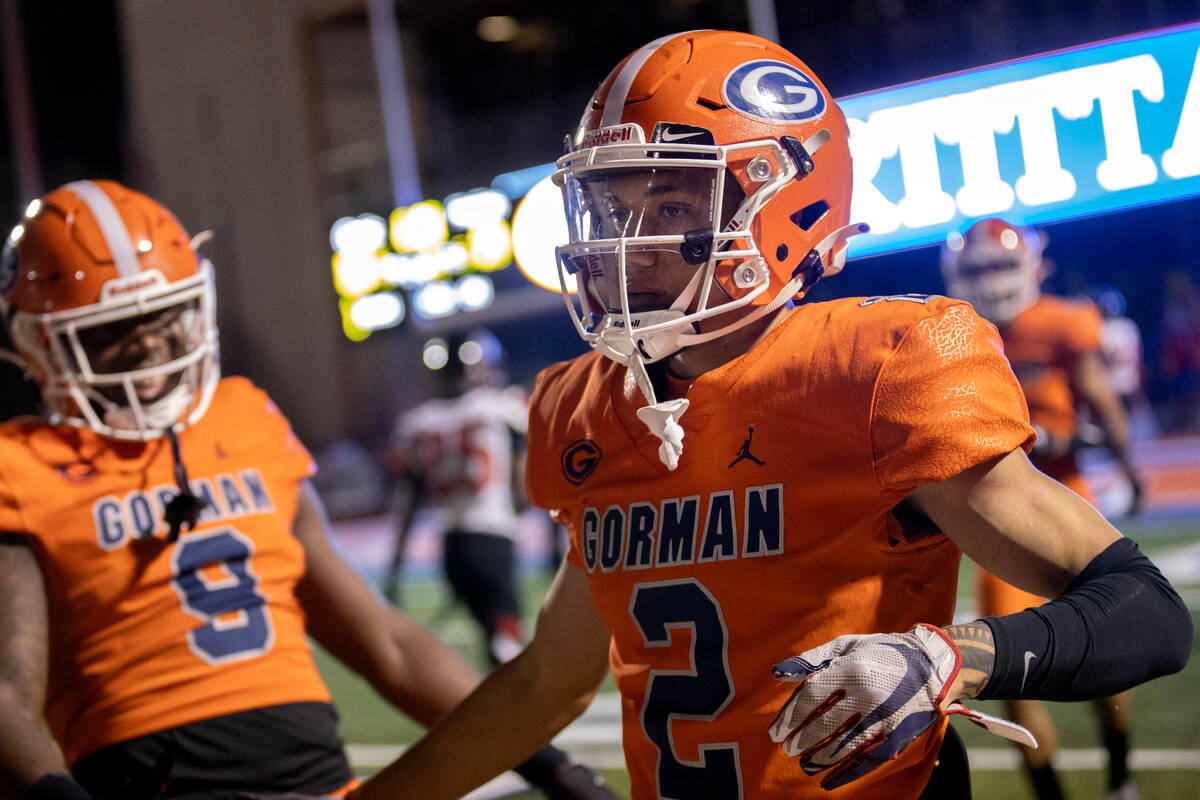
x=220, y=109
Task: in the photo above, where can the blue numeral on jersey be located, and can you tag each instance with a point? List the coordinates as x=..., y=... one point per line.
x=213, y=579
x=700, y=694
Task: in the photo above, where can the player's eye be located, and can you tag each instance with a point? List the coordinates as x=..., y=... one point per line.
x=674, y=210
x=619, y=217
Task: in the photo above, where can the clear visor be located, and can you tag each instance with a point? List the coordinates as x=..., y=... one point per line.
x=607, y=204
x=149, y=348
x=649, y=225
x=126, y=368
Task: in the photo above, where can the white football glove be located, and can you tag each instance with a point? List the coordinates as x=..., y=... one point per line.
x=863, y=699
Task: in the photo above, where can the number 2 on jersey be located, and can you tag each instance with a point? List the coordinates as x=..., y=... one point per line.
x=211, y=573
x=700, y=694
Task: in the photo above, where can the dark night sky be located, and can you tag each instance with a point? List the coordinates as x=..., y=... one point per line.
x=77, y=88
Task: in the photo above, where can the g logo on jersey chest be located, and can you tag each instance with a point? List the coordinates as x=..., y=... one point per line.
x=774, y=92
x=579, y=460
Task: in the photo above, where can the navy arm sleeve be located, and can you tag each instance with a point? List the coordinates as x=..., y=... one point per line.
x=1118, y=624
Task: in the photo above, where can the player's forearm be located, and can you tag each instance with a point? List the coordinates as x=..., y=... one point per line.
x=1091, y=382
x=517, y=710
x=26, y=753
x=1118, y=624
x=423, y=677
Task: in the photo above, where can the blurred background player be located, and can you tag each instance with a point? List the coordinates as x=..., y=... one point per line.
x=461, y=453
x=1122, y=353
x=1055, y=347
x=162, y=553
x=1178, y=359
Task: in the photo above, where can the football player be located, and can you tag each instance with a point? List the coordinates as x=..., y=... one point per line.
x=1055, y=348
x=767, y=499
x=163, y=555
x=462, y=454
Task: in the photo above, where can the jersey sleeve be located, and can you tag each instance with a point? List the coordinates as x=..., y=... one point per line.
x=945, y=400
x=541, y=463
x=10, y=508
x=514, y=407
x=399, y=445
x=264, y=428
x=1084, y=331
x=294, y=450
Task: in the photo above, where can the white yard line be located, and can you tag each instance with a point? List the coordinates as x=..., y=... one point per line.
x=595, y=739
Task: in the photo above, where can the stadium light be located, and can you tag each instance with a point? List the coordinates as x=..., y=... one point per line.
x=418, y=228
x=435, y=300
x=477, y=208
x=489, y=247
x=355, y=274
x=377, y=311
x=474, y=292
x=539, y=226
x=366, y=233
x=436, y=354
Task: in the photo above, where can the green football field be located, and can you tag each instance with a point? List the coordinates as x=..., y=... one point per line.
x=1165, y=735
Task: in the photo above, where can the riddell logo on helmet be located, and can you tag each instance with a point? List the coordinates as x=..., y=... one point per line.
x=617, y=134
x=134, y=283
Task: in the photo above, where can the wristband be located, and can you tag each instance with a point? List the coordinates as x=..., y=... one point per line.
x=56, y=786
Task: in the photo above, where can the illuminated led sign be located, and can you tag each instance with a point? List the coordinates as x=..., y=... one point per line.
x=413, y=251
x=1077, y=132
x=1072, y=133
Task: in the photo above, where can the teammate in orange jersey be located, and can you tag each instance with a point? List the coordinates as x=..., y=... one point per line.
x=1054, y=346
x=755, y=489
x=162, y=553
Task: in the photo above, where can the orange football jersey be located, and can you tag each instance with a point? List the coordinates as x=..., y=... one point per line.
x=1043, y=343
x=774, y=535
x=146, y=635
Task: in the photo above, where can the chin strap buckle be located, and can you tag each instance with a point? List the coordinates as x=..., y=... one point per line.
x=185, y=507
x=663, y=421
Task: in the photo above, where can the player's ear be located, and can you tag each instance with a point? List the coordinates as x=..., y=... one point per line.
x=1046, y=269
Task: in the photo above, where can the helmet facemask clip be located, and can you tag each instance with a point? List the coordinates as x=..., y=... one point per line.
x=697, y=246
x=799, y=155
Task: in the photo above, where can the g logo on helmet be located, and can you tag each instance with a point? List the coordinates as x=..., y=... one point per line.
x=579, y=459
x=774, y=92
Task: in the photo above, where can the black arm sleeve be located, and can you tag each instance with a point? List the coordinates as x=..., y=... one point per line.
x=1118, y=624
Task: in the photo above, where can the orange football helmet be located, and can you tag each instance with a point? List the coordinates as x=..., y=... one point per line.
x=755, y=146
x=92, y=265
x=996, y=267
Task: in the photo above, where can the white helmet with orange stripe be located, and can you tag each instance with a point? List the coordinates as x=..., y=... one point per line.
x=995, y=266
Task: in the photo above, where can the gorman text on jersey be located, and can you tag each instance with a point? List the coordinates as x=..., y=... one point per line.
x=684, y=530
x=139, y=514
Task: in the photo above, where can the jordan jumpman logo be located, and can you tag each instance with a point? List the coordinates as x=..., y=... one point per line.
x=744, y=451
